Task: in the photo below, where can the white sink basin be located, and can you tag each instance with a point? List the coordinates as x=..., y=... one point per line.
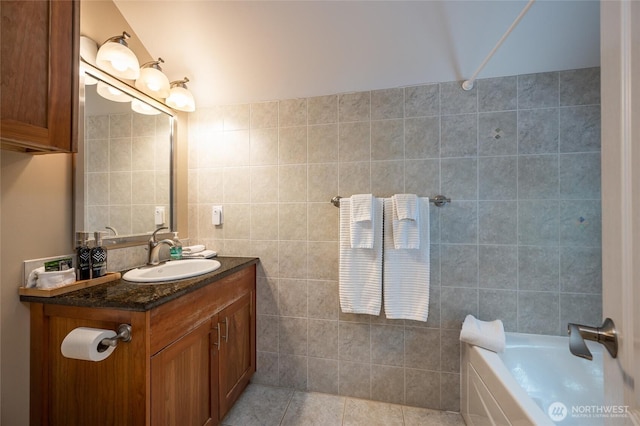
x=172, y=270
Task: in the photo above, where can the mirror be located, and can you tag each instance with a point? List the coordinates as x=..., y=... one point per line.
x=124, y=166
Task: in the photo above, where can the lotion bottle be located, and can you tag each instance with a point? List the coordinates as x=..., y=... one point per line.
x=98, y=257
x=83, y=252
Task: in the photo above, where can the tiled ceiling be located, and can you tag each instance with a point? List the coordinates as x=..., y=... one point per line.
x=241, y=51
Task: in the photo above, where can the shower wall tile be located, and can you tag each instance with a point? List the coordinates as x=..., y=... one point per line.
x=519, y=157
x=538, y=131
x=459, y=265
x=538, y=90
x=460, y=225
x=580, y=176
x=459, y=178
x=455, y=100
x=264, y=147
x=264, y=115
x=292, y=145
x=322, y=109
x=580, y=223
x=499, y=304
x=497, y=267
x=497, y=94
x=497, y=178
x=538, y=177
x=422, y=101
x=538, y=312
x=538, y=268
x=292, y=112
x=580, y=87
x=538, y=223
x=459, y=135
x=498, y=222
x=322, y=143
x=387, y=140
x=422, y=177
x=581, y=270
x=422, y=137
x=354, y=178
x=355, y=141
x=387, y=103
x=580, y=129
x=498, y=133
x=354, y=107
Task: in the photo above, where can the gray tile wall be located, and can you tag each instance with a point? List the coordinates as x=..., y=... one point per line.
x=127, y=171
x=518, y=155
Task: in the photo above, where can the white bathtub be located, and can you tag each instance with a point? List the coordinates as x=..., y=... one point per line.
x=534, y=373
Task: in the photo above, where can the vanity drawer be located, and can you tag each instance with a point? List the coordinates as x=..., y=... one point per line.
x=175, y=319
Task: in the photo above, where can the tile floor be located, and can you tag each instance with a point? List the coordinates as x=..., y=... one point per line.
x=261, y=405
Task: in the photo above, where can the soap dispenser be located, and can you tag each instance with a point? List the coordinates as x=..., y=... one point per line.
x=176, y=250
x=98, y=257
x=83, y=253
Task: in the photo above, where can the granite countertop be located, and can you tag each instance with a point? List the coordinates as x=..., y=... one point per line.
x=125, y=295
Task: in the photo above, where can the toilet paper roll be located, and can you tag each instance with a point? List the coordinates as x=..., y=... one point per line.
x=84, y=343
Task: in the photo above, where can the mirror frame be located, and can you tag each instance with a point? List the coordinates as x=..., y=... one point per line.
x=111, y=242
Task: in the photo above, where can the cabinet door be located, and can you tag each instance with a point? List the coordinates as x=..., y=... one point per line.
x=39, y=73
x=184, y=379
x=237, y=349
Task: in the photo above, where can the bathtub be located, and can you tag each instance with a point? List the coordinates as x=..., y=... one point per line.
x=535, y=380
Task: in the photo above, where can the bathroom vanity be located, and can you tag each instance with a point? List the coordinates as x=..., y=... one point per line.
x=192, y=351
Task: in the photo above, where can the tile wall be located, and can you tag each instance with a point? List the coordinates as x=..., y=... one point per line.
x=519, y=156
x=127, y=171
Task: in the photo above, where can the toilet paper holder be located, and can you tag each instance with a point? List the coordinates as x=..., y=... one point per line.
x=124, y=334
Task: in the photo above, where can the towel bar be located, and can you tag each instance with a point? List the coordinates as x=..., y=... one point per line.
x=438, y=200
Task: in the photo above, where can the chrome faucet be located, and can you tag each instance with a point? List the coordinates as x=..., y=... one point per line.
x=605, y=335
x=155, y=246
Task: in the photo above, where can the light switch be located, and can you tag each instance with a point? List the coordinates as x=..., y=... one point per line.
x=216, y=215
x=159, y=215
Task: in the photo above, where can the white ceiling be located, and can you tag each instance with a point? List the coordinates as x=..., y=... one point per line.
x=241, y=51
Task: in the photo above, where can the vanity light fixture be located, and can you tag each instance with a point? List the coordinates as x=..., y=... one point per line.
x=152, y=80
x=115, y=57
x=111, y=93
x=143, y=108
x=180, y=97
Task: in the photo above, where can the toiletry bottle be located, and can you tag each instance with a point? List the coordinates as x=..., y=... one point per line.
x=98, y=257
x=176, y=250
x=83, y=252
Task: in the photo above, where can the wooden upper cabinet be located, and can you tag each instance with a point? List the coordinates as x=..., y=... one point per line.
x=39, y=68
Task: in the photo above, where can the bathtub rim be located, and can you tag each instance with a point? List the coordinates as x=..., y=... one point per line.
x=519, y=407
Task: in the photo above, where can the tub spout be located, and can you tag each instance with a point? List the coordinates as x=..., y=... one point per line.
x=605, y=335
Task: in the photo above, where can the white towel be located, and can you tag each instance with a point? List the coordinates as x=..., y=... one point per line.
x=362, y=217
x=406, y=271
x=406, y=221
x=360, y=279
x=486, y=334
x=54, y=279
x=193, y=249
x=204, y=254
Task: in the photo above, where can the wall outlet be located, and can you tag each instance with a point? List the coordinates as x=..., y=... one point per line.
x=216, y=215
x=159, y=215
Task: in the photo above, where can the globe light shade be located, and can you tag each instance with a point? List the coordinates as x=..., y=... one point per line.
x=180, y=97
x=152, y=80
x=111, y=93
x=115, y=57
x=143, y=108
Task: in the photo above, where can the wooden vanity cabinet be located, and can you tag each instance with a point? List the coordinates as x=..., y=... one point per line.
x=188, y=361
x=39, y=75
